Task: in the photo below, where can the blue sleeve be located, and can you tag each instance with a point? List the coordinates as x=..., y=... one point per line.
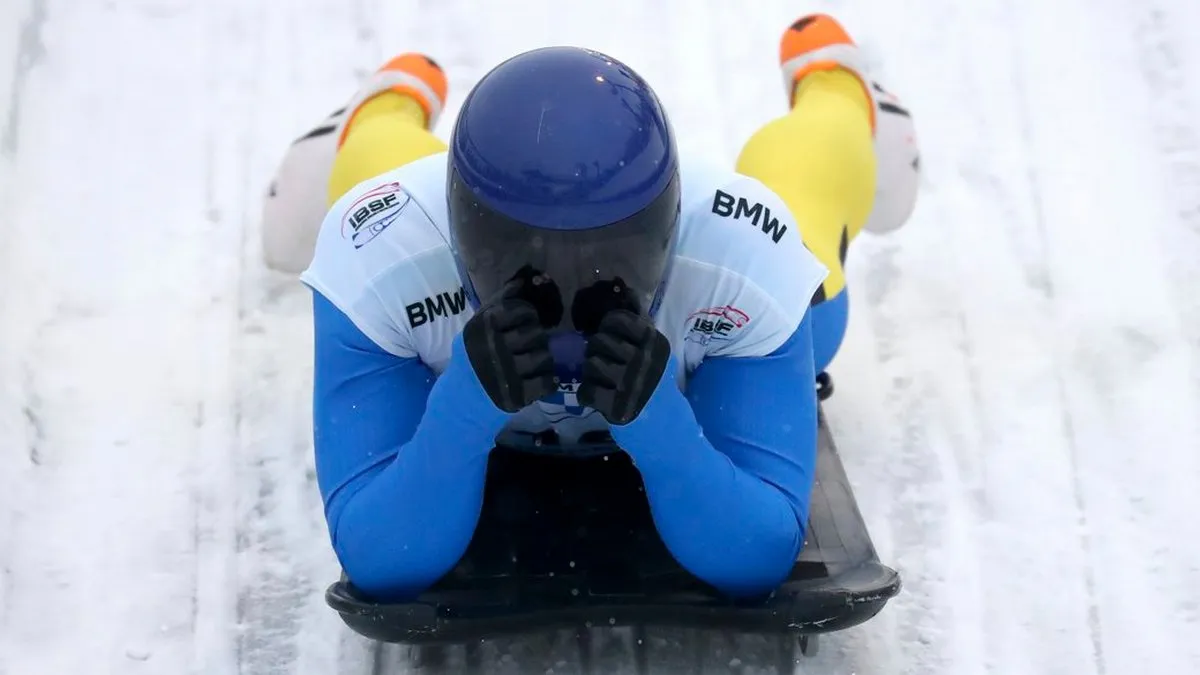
x=728, y=469
x=401, y=457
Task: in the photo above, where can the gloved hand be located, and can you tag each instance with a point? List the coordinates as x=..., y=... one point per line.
x=624, y=363
x=509, y=350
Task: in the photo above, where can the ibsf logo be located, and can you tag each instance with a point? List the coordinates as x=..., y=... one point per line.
x=715, y=323
x=373, y=212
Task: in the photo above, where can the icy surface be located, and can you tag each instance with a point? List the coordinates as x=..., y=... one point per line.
x=1018, y=398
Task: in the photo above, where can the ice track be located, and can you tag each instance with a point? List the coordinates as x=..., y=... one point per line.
x=1018, y=399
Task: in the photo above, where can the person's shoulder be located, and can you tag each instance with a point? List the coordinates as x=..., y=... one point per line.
x=741, y=279
x=736, y=226
x=382, y=255
x=371, y=209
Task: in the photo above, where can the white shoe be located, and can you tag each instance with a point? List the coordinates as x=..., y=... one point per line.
x=898, y=162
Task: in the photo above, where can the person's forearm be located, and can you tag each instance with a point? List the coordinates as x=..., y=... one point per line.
x=723, y=524
x=402, y=517
x=399, y=530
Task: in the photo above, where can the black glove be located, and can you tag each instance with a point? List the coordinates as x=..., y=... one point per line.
x=594, y=302
x=623, y=366
x=509, y=349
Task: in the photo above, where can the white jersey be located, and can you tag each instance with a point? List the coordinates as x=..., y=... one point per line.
x=740, y=283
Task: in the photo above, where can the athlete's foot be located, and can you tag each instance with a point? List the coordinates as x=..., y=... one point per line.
x=413, y=75
x=817, y=42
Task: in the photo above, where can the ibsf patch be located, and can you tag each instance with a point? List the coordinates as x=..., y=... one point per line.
x=374, y=212
x=715, y=323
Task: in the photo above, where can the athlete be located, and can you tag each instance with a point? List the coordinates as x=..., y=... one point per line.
x=559, y=269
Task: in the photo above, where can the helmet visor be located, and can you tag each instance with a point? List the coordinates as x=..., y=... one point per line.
x=572, y=277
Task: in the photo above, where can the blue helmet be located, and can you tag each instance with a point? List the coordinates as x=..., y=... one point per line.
x=563, y=173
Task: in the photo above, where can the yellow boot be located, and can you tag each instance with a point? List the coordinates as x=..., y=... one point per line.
x=820, y=159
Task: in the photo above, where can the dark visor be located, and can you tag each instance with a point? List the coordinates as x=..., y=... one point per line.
x=573, y=276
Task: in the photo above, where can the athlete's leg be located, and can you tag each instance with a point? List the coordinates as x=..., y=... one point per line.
x=389, y=125
x=385, y=125
x=820, y=159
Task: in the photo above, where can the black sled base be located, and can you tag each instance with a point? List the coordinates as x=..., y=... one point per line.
x=569, y=542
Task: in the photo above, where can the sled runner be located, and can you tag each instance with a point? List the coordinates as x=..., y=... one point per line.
x=566, y=542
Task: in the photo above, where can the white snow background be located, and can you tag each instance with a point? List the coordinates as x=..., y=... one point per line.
x=1018, y=399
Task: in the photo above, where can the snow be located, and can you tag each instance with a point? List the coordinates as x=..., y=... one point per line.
x=1018, y=398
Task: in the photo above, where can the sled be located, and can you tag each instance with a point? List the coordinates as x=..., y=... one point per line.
x=569, y=542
